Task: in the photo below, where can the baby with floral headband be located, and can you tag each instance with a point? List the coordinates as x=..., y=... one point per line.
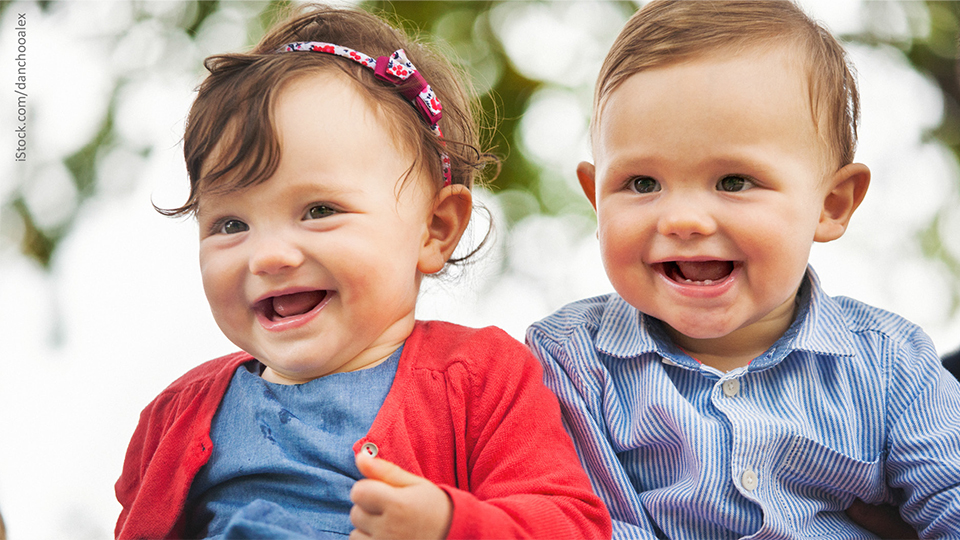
x=325, y=190
x=720, y=392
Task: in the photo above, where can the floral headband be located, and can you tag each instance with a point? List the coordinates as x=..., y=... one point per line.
x=395, y=69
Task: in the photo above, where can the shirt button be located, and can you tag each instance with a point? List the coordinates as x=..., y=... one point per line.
x=731, y=387
x=749, y=480
x=370, y=449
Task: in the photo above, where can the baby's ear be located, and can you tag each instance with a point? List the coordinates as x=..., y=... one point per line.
x=847, y=189
x=445, y=225
x=586, y=173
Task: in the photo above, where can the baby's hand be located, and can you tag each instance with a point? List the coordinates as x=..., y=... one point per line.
x=393, y=503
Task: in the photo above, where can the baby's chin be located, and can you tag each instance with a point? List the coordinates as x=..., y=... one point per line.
x=286, y=377
x=686, y=331
x=291, y=367
x=686, y=322
x=689, y=323
x=723, y=333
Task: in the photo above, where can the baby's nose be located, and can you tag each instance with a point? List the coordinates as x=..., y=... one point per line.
x=273, y=254
x=685, y=217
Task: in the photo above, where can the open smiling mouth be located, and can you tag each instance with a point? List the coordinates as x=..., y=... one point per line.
x=277, y=308
x=697, y=272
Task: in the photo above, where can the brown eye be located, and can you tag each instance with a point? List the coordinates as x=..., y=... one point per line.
x=644, y=184
x=233, y=226
x=319, y=211
x=734, y=183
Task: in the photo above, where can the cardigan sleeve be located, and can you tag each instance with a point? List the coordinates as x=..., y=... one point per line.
x=168, y=447
x=572, y=372
x=524, y=477
x=133, y=487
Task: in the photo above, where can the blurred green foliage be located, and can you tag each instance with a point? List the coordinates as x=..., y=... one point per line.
x=462, y=30
x=937, y=55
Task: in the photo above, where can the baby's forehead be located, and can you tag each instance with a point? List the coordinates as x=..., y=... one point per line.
x=780, y=63
x=795, y=64
x=727, y=103
x=249, y=152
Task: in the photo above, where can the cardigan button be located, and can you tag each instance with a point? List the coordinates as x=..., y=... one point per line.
x=370, y=449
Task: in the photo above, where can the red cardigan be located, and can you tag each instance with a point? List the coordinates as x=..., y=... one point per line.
x=467, y=410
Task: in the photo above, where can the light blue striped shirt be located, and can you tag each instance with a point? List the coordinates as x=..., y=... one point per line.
x=851, y=402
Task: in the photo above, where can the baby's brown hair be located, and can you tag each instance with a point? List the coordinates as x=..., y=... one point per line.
x=231, y=142
x=669, y=31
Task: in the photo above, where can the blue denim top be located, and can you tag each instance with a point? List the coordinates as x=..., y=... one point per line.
x=282, y=463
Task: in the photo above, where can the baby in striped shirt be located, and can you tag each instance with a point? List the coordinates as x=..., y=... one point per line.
x=720, y=392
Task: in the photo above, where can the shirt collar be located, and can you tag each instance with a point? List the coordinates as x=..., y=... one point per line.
x=819, y=328
x=625, y=332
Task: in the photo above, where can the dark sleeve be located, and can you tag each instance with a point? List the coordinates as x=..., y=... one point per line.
x=952, y=363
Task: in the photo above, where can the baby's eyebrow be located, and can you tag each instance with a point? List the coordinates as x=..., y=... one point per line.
x=207, y=211
x=216, y=203
x=628, y=161
x=325, y=190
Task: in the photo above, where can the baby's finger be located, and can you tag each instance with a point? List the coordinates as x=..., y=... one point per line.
x=371, y=495
x=362, y=520
x=357, y=534
x=379, y=469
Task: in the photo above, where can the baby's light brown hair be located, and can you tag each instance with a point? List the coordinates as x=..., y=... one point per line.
x=665, y=32
x=231, y=142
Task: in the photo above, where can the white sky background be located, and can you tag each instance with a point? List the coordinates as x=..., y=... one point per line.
x=122, y=313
